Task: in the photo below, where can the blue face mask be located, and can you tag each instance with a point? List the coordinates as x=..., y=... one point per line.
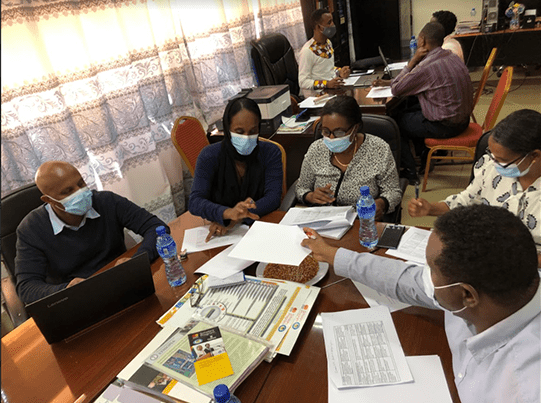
x=244, y=144
x=77, y=203
x=512, y=171
x=338, y=145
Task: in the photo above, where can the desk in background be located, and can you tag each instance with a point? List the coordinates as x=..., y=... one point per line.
x=34, y=371
x=515, y=47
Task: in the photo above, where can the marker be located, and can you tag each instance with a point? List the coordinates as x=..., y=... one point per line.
x=417, y=191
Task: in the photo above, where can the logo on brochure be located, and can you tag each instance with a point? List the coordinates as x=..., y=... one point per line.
x=282, y=328
x=296, y=325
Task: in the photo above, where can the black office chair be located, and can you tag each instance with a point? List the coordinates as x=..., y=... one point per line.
x=275, y=63
x=480, y=149
x=378, y=125
x=15, y=206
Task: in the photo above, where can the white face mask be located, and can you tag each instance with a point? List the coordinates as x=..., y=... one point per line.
x=430, y=287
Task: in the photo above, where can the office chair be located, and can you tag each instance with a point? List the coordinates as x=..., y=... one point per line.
x=483, y=80
x=15, y=206
x=467, y=140
x=378, y=125
x=189, y=139
x=275, y=63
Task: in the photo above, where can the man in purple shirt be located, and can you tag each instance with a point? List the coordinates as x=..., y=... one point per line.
x=439, y=91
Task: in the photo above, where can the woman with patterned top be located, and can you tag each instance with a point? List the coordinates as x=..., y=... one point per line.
x=508, y=175
x=336, y=166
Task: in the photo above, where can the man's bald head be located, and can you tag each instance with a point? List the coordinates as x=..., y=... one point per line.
x=58, y=179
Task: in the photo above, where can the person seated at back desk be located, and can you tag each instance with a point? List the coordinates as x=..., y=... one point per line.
x=76, y=233
x=440, y=96
x=482, y=271
x=508, y=176
x=336, y=166
x=316, y=60
x=240, y=178
x=448, y=20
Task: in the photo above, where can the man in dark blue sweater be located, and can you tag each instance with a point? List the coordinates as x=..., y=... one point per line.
x=76, y=233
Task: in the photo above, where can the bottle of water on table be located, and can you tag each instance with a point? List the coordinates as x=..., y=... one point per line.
x=413, y=46
x=366, y=209
x=167, y=249
x=222, y=395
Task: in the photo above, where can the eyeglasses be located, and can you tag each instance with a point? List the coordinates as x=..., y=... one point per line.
x=491, y=156
x=336, y=133
x=196, y=294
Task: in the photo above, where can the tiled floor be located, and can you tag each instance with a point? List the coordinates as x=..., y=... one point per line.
x=446, y=180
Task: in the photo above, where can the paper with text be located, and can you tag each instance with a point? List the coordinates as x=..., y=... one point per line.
x=222, y=265
x=315, y=102
x=428, y=386
x=194, y=238
x=380, y=92
x=397, y=65
x=325, y=217
x=363, y=348
x=375, y=298
x=412, y=245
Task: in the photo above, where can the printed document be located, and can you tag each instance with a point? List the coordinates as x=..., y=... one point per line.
x=194, y=238
x=428, y=386
x=222, y=265
x=375, y=298
x=412, y=246
x=320, y=217
x=380, y=92
x=363, y=348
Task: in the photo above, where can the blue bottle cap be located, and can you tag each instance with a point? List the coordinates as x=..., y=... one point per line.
x=221, y=393
x=365, y=191
x=160, y=230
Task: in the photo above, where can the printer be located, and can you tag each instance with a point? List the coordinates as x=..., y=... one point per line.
x=273, y=101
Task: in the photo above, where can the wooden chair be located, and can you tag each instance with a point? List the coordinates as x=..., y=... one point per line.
x=284, y=164
x=483, y=80
x=189, y=139
x=467, y=140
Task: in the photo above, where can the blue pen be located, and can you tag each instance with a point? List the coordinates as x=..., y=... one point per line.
x=417, y=191
x=300, y=114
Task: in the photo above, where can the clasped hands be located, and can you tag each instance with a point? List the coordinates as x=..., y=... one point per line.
x=235, y=214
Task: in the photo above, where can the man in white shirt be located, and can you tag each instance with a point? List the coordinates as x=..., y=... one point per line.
x=316, y=64
x=482, y=271
x=448, y=20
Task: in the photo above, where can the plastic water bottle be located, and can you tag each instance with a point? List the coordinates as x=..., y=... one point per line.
x=413, y=46
x=222, y=395
x=167, y=248
x=473, y=12
x=366, y=209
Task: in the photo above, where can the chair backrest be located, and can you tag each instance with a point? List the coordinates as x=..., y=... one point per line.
x=274, y=62
x=15, y=206
x=498, y=99
x=480, y=149
x=484, y=77
x=189, y=139
x=284, y=163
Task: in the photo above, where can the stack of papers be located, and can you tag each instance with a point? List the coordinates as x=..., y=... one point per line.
x=316, y=102
x=328, y=221
x=194, y=238
x=380, y=92
x=412, y=246
x=289, y=125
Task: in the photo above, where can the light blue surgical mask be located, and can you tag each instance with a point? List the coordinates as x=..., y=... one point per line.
x=77, y=203
x=512, y=171
x=430, y=287
x=337, y=145
x=244, y=144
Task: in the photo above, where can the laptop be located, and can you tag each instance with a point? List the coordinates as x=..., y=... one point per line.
x=387, y=75
x=71, y=310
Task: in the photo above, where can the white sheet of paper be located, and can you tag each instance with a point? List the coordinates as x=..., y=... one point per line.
x=397, y=65
x=309, y=102
x=290, y=122
x=363, y=348
x=222, y=265
x=428, y=386
x=320, y=217
x=272, y=243
x=412, y=246
x=194, y=238
x=351, y=80
x=366, y=73
x=380, y=92
x=375, y=298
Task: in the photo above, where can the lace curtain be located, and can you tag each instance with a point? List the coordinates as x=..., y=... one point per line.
x=99, y=83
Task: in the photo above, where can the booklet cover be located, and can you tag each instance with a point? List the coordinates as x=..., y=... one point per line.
x=211, y=359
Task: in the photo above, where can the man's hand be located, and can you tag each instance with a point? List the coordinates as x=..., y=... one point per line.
x=345, y=72
x=322, y=195
x=381, y=83
x=419, y=207
x=240, y=211
x=417, y=57
x=380, y=209
x=336, y=82
x=323, y=252
x=76, y=280
x=121, y=260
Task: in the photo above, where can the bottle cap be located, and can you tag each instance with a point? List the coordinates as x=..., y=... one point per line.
x=221, y=393
x=365, y=191
x=160, y=230
x=413, y=37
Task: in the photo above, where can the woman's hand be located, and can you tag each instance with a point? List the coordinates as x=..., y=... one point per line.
x=322, y=195
x=419, y=207
x=240, y=211
x=323, y=252
x=380, y=209
x=216, y=229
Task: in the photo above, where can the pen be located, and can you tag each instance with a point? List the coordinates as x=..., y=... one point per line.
x=416, y=191
x=310, y=234
x=81, y=399
x=300, y=114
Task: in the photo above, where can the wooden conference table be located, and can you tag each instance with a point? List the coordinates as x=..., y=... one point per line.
x=34, y=371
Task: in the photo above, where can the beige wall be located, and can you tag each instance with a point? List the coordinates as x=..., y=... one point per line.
x=422, y=10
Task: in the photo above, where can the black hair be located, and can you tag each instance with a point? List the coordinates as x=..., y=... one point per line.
x=519, y=132
x=433, y=33
x=488, y=248
x=347, y=107
x=316, y=16
x=447, y=19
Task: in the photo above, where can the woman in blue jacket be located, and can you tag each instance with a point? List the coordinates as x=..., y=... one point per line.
x=240, y=178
